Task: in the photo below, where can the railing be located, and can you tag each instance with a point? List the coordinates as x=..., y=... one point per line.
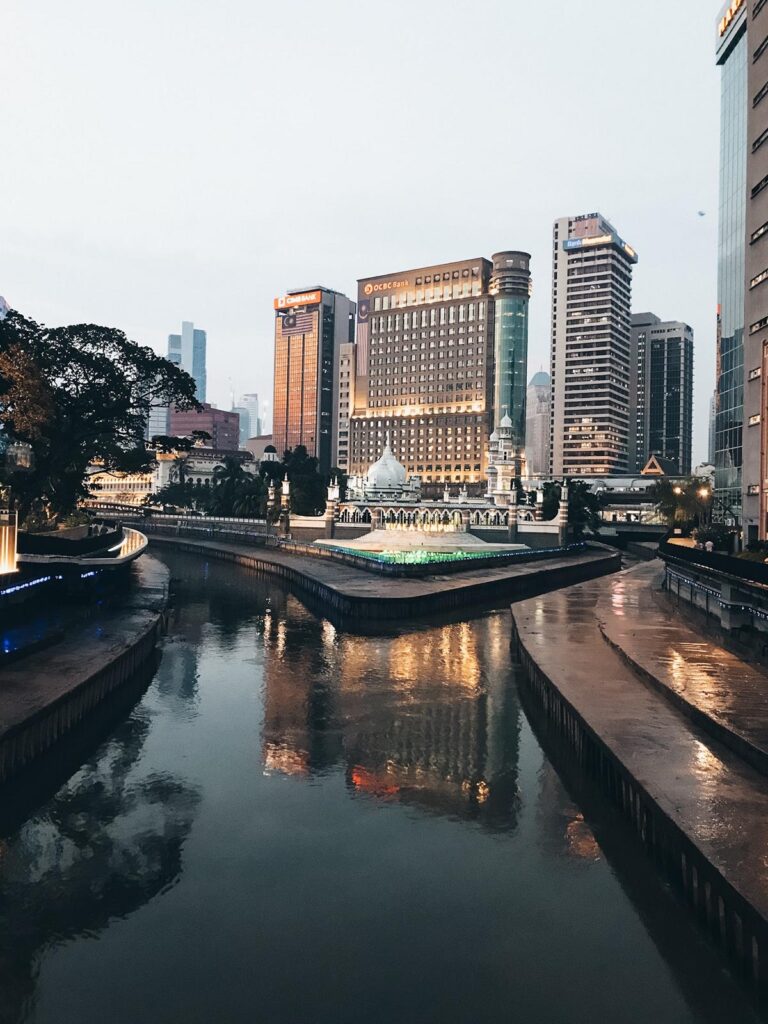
x=257, y=535
x=737, y=568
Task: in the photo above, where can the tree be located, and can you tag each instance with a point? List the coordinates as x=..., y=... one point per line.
x=583, y=509
x=684, y=503
x=79, y=395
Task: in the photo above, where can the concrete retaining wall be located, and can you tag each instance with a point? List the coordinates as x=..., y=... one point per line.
x=731, y=922
x=390, y=606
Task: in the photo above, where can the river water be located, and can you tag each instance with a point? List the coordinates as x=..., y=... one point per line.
x=296, y=824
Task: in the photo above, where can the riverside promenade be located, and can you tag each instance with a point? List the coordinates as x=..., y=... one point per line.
x=357, y=595
x=673, y=729
x=45, y=694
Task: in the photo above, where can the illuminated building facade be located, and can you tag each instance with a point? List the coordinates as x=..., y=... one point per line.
x=590, y=358
x=311, y=325
x=441, y=356
x=729, y=394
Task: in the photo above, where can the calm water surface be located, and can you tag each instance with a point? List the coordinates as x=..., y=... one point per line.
x=300, y=825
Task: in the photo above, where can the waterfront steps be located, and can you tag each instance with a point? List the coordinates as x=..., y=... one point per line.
x=698, y=807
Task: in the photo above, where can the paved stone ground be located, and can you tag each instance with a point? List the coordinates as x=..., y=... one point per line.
x=355, y=584
x=720, y=691
x=718, y=800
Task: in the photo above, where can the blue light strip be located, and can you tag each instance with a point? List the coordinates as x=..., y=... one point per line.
x=745, y=609
x=28, y=584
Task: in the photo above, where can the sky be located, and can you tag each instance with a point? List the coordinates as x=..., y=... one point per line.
x=169, y=160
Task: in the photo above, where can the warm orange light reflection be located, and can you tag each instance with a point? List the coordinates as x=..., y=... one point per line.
x=7, y=543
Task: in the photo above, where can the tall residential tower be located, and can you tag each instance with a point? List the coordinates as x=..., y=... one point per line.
x=591, y=301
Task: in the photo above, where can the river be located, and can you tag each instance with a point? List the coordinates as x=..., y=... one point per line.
x=292, y=823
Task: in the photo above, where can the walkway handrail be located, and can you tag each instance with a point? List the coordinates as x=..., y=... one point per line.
x=739, y=569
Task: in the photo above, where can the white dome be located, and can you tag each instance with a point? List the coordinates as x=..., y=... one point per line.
x=387, y=472
x=494, y=437
x=506, y=422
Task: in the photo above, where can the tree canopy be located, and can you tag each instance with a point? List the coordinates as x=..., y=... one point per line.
x=78, y=395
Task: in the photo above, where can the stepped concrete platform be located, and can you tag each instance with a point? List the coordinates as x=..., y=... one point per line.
x=725, y=695
x=699, y=808
x=357, y=595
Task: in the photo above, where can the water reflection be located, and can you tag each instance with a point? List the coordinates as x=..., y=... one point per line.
x=427, y=718
x=301, y=824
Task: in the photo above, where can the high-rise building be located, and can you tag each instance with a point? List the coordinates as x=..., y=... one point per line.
x=441, y=358
x=660, y=392
x=4, y=308
x=244, y=418
x=347, y=372
x=537, y=425
x=311, y=325
x=638, y=441
x=711, y=444
x=251, y=404
x=223, y=426
x=732, y=56
x=157, y=425
x=591, y=301
x=187, y=350
x=755, y=416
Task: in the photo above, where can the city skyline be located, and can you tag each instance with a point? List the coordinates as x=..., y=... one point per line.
x=72, y=254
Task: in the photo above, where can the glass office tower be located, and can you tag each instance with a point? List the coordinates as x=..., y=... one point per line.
x=729, y=394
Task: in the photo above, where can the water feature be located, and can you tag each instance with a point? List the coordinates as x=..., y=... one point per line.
x=299, y=824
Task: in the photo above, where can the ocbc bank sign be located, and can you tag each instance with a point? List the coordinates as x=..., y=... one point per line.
x=730, y=14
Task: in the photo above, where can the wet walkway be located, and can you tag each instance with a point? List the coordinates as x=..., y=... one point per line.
x=714, y=687
x=709, y=794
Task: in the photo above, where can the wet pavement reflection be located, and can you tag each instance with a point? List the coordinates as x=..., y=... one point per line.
x=299, y=824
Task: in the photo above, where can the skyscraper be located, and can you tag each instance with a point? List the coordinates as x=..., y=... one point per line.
x=441, y=358
x=537, y=425
x=221, y=424
x=711, y=443
x=347, y=372
x=310, y=327
x=187, y=350
x=660, y=392
x=591, y=301
x=732, y=56
x=755, y=243
x=251, y=404
x=244, y=419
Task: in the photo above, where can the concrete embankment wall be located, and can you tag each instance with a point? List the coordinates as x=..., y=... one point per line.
x=732, y=922
x=433, y=595
x=45, y=696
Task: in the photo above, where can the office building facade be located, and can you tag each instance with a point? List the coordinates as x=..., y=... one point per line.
x=441, y=358
x=660, y=392
x=346, y=402
x=590, y=356
x=252, y=406
x=537, y=425
x=223, y=426
x=188, y=350
x=311, y=325
x=750, y=55
x=729, y=411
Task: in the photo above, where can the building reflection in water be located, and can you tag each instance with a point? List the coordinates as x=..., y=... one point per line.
x=428, y=718
x=562, y=828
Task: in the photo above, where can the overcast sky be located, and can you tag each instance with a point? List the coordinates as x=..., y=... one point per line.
x=182, y=159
